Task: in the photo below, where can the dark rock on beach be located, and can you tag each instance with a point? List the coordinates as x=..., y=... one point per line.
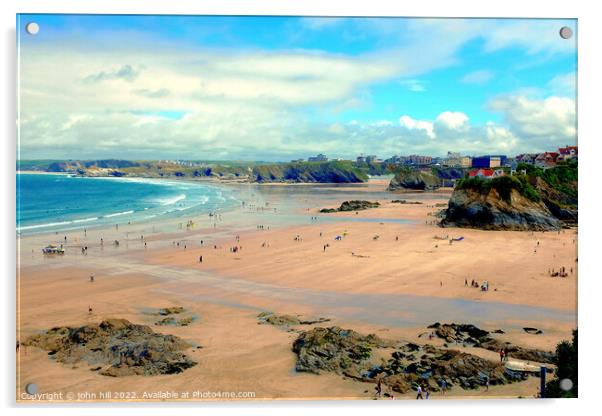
x=172, y=310
x=355, y=205
x=430, y=365
x=467, y=334
x=287, y=320
x=116, y=347
x=404, y=202
x=342, y=351
x=533, y=331
x=350, y=354
x=170, y=320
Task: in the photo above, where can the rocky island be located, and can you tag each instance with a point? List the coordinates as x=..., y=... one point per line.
x=536, y=199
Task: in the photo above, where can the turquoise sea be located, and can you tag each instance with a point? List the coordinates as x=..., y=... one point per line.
x=62, y=202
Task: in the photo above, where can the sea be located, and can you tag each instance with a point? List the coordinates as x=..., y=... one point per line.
x=47, y=202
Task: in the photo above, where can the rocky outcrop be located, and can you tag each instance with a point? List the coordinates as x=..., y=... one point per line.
x=414, y=180
x=172, y=321
x=342, y=351
x=467, y=334
x=430, y=365
x=561, y=204
x=488, y=210
x=350, y=354
x=404, y=202
x=171, y=310
x=536, y=199
x=287, y=320
x=355, y=205
x=116, y=347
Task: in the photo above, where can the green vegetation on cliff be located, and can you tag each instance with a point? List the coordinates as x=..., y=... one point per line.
x=324, y=172
x=295, y=172
x=503, y=185
x=559, y=182
x=533, y=199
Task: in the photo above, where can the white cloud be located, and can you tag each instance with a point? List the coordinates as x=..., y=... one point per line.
x=247, y=103
x=412, y=124
x=454, y=120
x=479, y=77
x=540, y=123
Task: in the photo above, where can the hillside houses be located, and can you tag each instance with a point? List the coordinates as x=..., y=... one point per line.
x=486, y=173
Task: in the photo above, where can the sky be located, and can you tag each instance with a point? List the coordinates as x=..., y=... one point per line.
x=281, y=88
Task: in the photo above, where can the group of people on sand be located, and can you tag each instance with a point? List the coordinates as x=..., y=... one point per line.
x=422, y=389
x=560, y=273
x=484, y=287
x=84, y=250
x=263, y=227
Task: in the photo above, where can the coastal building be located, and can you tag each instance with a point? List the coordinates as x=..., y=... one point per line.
x=419, y=160
x=318, y=158
x=466, y=161
x=489, y=161
x=567, y=153
x=453, y=159
x=546, y=159
x=526, y=158
x=486, y=173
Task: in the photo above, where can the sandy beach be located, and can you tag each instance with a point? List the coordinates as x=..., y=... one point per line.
x=388, y=270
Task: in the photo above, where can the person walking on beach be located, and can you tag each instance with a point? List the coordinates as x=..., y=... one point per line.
x=200, y=259
x=443, y=386
x=501, y=355
x=506, y=355
x=419, y=393
x=465, y=282
x=426, y=392
x=379, y=388
x=486, y=383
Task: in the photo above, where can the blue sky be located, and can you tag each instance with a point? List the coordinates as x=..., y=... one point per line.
x=276, y=88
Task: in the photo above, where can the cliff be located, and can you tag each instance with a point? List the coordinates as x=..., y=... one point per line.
x=415, y=180
x=538, y=200
x=305, y=172
x=261, y=172
x=474, y=209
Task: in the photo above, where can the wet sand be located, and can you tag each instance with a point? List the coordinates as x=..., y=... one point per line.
x=393, y=285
